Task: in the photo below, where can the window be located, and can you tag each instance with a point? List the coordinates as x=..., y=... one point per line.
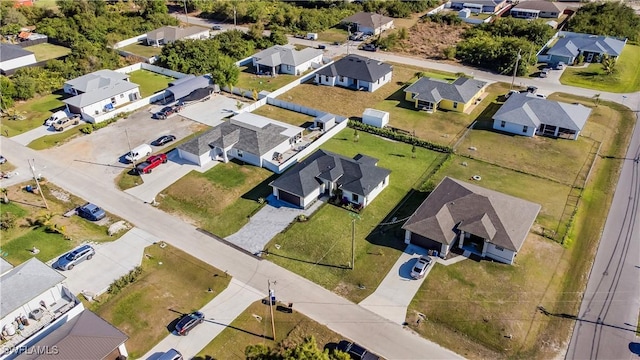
x=499, y=248
x=239, y=153
x=525, y=129
x=354, y=197
x=455, y=105
x=341, y=78
x=503, y=123
x=113, y=100
x=384, y=181
x=289, y=67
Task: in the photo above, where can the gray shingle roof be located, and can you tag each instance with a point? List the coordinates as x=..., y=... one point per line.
x=540, y=5
x=532, y=111
x=100, y=94
x=366, y=19
x=357, y=176
x=5, y=266
x=573, y=43
x=433, y=90
x=501, y=219
x=24, y=283
x=357, y=67
x=10, y=52
x=173, y=33
x=96, y=80
x=86, y=336
x=286, y=54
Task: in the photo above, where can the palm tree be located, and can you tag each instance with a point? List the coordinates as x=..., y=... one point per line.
x=596, y=99
x=608, y=64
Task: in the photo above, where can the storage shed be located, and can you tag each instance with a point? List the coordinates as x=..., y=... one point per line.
x=375, y=117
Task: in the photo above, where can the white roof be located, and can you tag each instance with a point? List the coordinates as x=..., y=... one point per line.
x=249, y=120
x=374, y=113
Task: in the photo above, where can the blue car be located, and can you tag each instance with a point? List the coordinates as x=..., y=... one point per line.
x=91, y=212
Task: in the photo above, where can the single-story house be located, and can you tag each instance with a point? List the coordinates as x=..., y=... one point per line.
x=571, y=45
x=535, y=9
x=429, y=94
x=368, y=23
x=247, y=137
x=14, y=57
x=482, y=221
x=377, y=118
x=357, y=181
x=5, y=266
x=355, y=72
x=285, y=59
x=86, y=336
x=182, y=87
x=528, y=115
x=479, y=6
x=93, y=81
x=169, y=34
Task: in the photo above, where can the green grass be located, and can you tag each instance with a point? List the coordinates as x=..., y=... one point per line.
x=35, y=111
x=625, y=79
x=46, y=51
x=148, y=308
x=58, y=138
x=248, y=80
x=143, y=50
x=332, y=35
x=50, y=245
x=47, y=4
x=322, y=256
x=150, y=82
x=284, y=115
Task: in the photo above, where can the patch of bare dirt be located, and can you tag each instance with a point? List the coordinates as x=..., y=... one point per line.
x=428, y=40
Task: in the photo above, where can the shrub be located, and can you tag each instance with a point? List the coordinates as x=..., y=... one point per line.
x=86, y=129
x=390, y=134
x=125, y=280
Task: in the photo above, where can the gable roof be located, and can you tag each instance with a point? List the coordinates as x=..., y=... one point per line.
x=173, y=33
x=100, y=94
x=530, y=110
x=501, y=219
x=285, y=54
x=359, y=175
x=357, y=67
x=11, y=52
x=86, y=336
x=539, y=5
x=182, y=88
x=433, y=90
x=573, y=43
x=24, y=283
x=96, y=80
x=367, y=19
x=480, y=2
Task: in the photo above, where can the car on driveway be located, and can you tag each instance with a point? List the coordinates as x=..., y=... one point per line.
x=355, y=351
x=164, y=113
x=369, y=47
x=188, y=322
x=151, y=163
x=2, y=159
x=162, y=140
x=421, y=266
x=75, y=257
x=216, y=27
x=91, y=212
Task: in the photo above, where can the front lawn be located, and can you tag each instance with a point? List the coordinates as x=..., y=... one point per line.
x=46, y=51
x=149, y=81
x=334, y=34
x=248, y=80
x=284, y=115
x=172, y=283
x=320, y=248
x=143, y=50
x=57, y=138
x=35, y=111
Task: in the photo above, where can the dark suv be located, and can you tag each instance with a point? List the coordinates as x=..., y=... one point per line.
x=188, y=322
x=356, y=351
x=164, y=113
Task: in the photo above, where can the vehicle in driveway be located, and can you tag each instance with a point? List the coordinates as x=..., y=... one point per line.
x=62, y=124
x=58, y=115
x=172, y=354
x=369, y=47
x=91, y=212
x=216, y=27
x=165, y=112
x=421, y=266
x=356, y=351
x=188, y=322
x=75, y=257
x=138, y=153
x=162, y=140
x=2, y=159
x=151, y=163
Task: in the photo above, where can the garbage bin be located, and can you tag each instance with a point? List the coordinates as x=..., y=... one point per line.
x=29, y=188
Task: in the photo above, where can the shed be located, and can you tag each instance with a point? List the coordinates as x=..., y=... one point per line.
x=375, y=117
x=324, y=122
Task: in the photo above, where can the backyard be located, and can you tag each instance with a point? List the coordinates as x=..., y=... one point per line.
x=248, y=80
x=35, y=111
x=284, y=115
x=46, y=51
x=148, y=309
x=149, y=81
x=143, y=50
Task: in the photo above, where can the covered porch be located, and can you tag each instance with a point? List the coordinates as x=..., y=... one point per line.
x=427, y=106
x=557, y=131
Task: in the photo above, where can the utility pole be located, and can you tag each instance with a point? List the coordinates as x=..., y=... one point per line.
x=186, y=16
x=133, y=160
x=348, y=37
x=354, y=217
x=272, y=298
x=515, y=70
x=234, y=18
x=32, y=165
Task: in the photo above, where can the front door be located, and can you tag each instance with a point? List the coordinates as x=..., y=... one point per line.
x=589, y=57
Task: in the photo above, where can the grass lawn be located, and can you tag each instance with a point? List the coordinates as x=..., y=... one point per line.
x=35, y=112
x=46, y=51
x=626, y=78
x=333, y=34
x=220, y=200
x=323, y=256
x=148, y=309
x=57, y=138
x=143, y=50
x=284, y=115
x=248, y=80
x=247, y=330
x=150, y=82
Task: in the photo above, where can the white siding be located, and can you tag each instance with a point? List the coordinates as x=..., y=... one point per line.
x=246, y=157
x=98, y=107
x=49, y=297
x=505, y=255
x=190, y=157
x=18, y=63
x=378, y=121
x=372, y=195
x=201, y=35
x=385, y=79
x=307, y=65
x=309, y=199
x=513, y=128
x=325, y=80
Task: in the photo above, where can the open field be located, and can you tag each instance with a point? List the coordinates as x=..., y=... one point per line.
x=143, y=50
x=35, y=111
x=428, y=40
x=284, y=115
x=333, y=34
x=150, y=82
x=148, y=309
x=46, y=51
x=248, y=80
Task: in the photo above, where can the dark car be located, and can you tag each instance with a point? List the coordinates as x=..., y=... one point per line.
x=164, y=139
x=356, y=351
x=73, y=258
x=2, y=159
x=322, y=47
x=188, y=322
x=369, y=47
x=164, y=113
x=91, y=212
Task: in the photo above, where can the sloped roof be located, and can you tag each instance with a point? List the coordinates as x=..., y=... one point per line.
x=96, y=80
x=357, y=176
x=433, y=90
x=10, y=52
x=539, y=5
x=573, y=43
x=357, y=67
x=86, y=336
x=25, y=282
x=173, y=33
x=186, y=87
x=286, y=54
x=530, y=110
x=5, y=266
x=366, y=19
x=480, y=2
x=100, y=94
x=501, y=219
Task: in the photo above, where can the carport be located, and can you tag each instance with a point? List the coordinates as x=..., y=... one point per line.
x=182, y=88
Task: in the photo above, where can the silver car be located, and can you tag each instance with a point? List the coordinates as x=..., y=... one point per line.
x=421, y=266
x=75, y=257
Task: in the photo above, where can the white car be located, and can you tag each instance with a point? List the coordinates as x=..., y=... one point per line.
x=421, y=266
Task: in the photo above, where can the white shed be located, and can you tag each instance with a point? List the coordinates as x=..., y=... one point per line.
x=375, y=117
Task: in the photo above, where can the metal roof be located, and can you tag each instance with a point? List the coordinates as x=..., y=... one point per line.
x=96, y=80
x=10, y=52
x=287, y=55
x=173, y=33
x=184, y=88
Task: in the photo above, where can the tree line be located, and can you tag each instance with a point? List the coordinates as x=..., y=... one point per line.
x=607, y=18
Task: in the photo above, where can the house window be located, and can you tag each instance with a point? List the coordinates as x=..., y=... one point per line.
x=341, y=78
x=499, y=248
x=525, y=129
x=354, y=197
x=289, y=67
x=324, y=78
x=239, y=153
x=384, y=181
x=503, y=123
x=455, y=105
x=113, y=100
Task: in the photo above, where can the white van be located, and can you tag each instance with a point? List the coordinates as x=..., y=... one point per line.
x=138, y=153
x=55, y=117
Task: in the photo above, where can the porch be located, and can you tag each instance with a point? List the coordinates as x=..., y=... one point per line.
x=557, y=132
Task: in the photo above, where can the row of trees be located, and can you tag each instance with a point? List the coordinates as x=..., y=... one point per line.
x=307, y=349
x=607, y=18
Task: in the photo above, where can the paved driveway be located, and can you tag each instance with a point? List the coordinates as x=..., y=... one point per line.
x=40, y=131
x=212, y=111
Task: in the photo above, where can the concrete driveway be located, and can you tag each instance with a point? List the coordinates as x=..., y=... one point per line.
x=40, y=131
x=212, y=111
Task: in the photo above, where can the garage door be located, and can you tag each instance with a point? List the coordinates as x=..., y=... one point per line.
x=288, y=197
x=424, y=242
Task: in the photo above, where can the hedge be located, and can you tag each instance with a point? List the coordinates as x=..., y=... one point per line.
x=393, y=135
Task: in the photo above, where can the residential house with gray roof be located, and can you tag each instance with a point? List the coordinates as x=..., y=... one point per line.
x=357, y=181
x=430, y=94
x=13, y=57
x=534, y=9
x=479, y=6
x=478, y=220
x=168, y=34
x=355, y=72
x=285, y=59
x=592, y=47
x=528, y=115
x=368, y=23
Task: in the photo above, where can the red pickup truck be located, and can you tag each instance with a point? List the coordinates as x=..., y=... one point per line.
x=151, y=163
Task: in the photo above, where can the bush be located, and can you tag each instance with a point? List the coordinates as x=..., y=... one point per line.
x=390, y=134
x=125, y=280
x=86, y=129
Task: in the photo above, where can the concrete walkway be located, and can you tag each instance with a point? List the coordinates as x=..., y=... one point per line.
x=219, y=313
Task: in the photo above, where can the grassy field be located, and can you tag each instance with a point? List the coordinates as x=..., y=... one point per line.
x=46, y=51
x=55, y=139
x=248, y=80
x=625, y=79
x=284, y=115
x=221, y=200
x=143, y=50
x=323, y=256
x=150, y=82
x=148, y=309
x=247, y=330
x=35, y=111
x=332, y=35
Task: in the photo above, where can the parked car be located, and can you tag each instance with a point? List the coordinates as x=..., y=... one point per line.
x=216, y=27
x=91, y=212
x=2, y=159
x=369, y=47
x=75, y=257
x=58, y=115
x=559, y=65
x=299, y=36
x=164, y=139
x=188, y=322
x=138, y=153
x=545, y=72
x=62, y=124
x=322, y=47
x=531, y=89
x=164, y=113
x=507, y=95
x=151, y=163
x=356, y=351
x=172, y=354
x=421, y=266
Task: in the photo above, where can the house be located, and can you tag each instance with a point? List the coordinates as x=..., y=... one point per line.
x=247, y=137
x=357, y=181
x=86, y=336
x=285, y=59
x=377, y=118
x=368, y=23
x=528, y=115
x=14, y=57
x=34, y=293
x=168, y=34
x=5, y=266
x=480, y=6
x=93, y=81
x=482, y=221
x=182, y=87
x=535, y=9
x=429, y=94
x=355, y=72
x=592, y=47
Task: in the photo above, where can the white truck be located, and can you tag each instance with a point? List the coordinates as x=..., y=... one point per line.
x=55, y=117
x=312, y=36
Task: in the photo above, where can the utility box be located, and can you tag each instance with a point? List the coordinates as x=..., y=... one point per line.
x=375, y=117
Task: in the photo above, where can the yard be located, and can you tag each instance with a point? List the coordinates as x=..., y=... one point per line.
x=248, y=80
x=284, y=115
x=323, y=256
x=428, y=40
x=35, y=111
x=148, y=309
x=143, y=50
x=149, y=81
x=221, y=200
x=55, y=139
x=46, y=51
x=333, y=34
x=625, y=79
x=247, y=330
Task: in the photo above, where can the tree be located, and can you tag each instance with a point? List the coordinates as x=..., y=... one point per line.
x=608, y=64
x=606, y=18
x=307, y=349
x=596, y=99
x=25, y=87
x=356, y=136
x=8, y=92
